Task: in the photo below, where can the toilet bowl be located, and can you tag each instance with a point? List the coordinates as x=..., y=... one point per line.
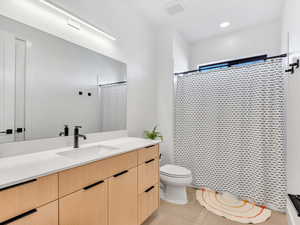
x=174, y=181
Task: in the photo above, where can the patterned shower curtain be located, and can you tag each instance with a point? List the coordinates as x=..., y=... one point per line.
x=230, y=131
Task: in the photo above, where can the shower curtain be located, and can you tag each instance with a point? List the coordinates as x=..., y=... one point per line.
x=230, y=130
x=113, y=107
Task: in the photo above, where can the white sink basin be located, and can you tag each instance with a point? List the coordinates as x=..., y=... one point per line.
x=88, y=152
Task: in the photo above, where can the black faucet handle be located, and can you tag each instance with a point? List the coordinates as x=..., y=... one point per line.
x=78, y=127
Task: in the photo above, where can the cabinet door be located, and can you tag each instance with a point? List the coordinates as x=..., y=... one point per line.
x=148, y=202
x=123, y=198
x=46, y=215
x=148, y=174
x=85, y=207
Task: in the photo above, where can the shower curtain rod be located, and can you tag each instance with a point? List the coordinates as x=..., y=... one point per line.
x=234, y=62
x=115, y=83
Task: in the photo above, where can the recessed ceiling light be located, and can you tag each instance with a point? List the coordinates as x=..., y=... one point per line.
x=225, y=24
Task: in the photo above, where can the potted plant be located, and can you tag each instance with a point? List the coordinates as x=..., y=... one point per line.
x=154, y=134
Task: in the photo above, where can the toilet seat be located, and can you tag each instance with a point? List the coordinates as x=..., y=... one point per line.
x=175, y=171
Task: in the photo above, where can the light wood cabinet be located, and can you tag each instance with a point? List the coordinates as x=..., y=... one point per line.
x=148, y=153
x=148, y=182
x=148, y=175
x=121, y=190
x=45, y=215
x=85, y=207
x=74, y=179
x=148, y=202
x=26, y=196
x=123, y=198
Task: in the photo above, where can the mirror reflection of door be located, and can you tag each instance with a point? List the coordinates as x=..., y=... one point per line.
x=7, y=82
x=12, y=87
x=21, y=51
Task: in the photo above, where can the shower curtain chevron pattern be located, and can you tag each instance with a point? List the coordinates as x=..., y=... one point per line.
x=230, y=131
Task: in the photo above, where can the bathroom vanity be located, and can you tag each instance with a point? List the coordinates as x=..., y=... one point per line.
x=107, y=183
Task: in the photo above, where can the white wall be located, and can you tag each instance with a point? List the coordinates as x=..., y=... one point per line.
x=172, y=56
x=247, y=42
x=290, y=17
x=134, y=45
x=165, y=92
x=181, y=54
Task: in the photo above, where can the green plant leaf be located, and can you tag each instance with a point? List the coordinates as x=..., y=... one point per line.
x=154, y=134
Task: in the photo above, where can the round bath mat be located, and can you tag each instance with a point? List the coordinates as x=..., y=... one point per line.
x=230, y=207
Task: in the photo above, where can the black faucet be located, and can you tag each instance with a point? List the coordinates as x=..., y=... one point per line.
x=66, y=131
x=77, y=136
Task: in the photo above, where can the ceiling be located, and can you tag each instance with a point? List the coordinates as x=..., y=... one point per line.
x=201, y=18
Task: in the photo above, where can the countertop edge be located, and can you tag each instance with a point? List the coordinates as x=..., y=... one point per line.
x=54, y=171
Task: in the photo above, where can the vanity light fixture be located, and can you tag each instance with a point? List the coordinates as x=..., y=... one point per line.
x=225, y=24
x=76, y=20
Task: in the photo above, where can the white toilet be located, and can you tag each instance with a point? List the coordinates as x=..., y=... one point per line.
x=174, y=181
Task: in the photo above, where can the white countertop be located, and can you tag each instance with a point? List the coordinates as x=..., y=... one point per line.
x=21, y=168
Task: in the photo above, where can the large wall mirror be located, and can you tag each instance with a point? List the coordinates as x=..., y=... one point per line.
x=47, y=83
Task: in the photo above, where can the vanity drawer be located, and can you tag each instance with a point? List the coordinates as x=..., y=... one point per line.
x=148, y=202
x=120, y=163
x=46, y=215
x=29, y=195
x=148, y=153
x=148, y=174
x=74, y=179
x=85, y=207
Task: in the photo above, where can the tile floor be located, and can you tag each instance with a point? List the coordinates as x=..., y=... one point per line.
x=194, y=214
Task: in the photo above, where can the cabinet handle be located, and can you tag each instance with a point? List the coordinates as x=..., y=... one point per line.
x=149, y=189
x=93, y=185
x=150, y=146
x=149, y=161
x=8, y=131
x=20, y=130
x=19, y=217
x=120, y=174
x=16, y=185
